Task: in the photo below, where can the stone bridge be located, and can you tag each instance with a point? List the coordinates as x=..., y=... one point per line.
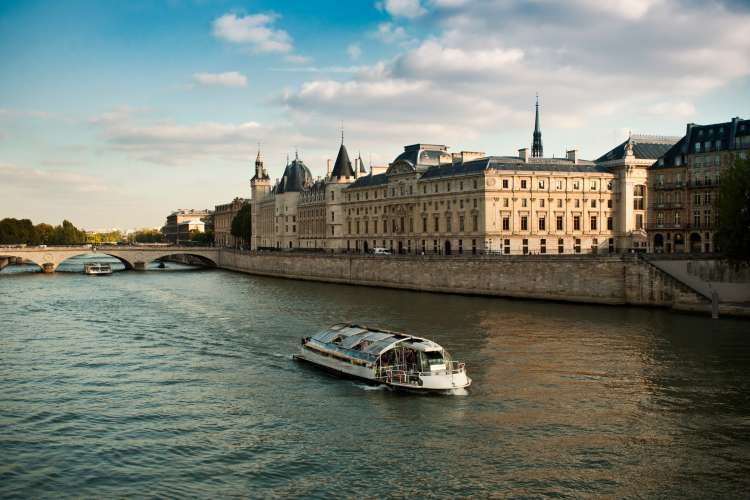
x=133, y=257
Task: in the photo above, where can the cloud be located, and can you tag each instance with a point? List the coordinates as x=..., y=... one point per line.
x=297, y=59
x=162, y=141
x=681, y=109
x=482, y=62
x=254, y=30
x=391, y=34
x=402, y=8
x=63, y=182
x=226, y=79
x=354, y=51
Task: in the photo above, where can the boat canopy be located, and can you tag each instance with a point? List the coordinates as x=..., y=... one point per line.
x=370, y=341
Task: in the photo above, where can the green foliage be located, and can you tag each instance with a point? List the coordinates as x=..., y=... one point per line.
x=242, y=224
x=734, y=211
x=110, y=237
x=22, y=231
x=201, y=238
x=148, y=236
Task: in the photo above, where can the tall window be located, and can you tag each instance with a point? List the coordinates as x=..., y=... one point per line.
x=609, y=223
x=461, y=223
x=506, y=223
x=576, y=223
x=475, y=223
x=639, y=221
x=524, y=223
x=437, y=223
x=542, y=224
x=593, y=222
x=424, y=224
x=559, y=223
x=638, y=191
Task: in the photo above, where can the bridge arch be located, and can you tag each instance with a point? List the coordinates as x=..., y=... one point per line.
x=202, y=258
x=128, y=265
x=7, y=253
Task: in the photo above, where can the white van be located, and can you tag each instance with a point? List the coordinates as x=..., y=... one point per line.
x=380, y=251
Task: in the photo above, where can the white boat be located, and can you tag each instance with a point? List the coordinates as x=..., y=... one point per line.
x=97, y=269
x=379, y=356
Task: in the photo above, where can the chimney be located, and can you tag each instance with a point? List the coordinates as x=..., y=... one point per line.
x=329, y=169
x=356, y=167
x=572, y=155
x=523, y=153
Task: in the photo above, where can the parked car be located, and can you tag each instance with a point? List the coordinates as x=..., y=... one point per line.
x=380, y=251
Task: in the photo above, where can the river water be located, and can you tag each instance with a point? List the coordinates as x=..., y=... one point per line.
x=180, y=383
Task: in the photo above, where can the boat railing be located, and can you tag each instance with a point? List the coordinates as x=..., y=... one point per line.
x=403, y=373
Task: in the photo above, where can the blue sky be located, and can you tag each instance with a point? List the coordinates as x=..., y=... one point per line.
x=114, y=113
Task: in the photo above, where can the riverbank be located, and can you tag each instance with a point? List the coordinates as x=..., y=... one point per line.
x=614, y=280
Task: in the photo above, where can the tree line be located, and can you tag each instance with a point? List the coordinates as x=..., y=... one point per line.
x=23, y=231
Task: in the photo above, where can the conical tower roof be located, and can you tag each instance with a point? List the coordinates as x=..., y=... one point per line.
x=362, y=169
x=343, y=166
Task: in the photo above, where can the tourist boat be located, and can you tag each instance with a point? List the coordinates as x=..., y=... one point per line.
x=97, y=269
x=379, y=356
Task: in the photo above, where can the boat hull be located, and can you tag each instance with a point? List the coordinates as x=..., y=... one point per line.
x=345, y=369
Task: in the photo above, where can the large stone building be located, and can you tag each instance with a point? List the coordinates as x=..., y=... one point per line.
x=429, y=200
x=223, y=216
x=201, y=220
x=684, y=182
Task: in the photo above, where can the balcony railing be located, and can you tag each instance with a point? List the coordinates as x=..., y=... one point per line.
x=668, y=185
x=702, y=225
x=700, y=184
x=673, y=204
x=662, y=226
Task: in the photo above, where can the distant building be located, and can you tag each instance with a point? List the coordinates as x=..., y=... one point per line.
x=223, y=216
x=202, y=220
x=683, y=210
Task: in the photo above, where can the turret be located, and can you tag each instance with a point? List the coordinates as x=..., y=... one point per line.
x=260, y=186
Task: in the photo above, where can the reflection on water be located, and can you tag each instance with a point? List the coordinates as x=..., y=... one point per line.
x=183, y=384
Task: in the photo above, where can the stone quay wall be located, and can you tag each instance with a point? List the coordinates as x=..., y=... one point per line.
x=589, y=279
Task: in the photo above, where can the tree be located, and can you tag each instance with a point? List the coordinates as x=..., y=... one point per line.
x=201, y=238
x=242, y=225
x=149, y=236
x=45, y=232
x=733, y=235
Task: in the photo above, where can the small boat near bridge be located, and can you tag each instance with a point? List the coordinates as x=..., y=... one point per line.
x=97, y=269
x=380, y=356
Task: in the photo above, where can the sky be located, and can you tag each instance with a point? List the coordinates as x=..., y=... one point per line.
x=113, y=114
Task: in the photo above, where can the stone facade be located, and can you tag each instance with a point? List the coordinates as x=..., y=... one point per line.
x=685, y=182
x=431, y=201
x=182, y=218
x=223, y=216
x=599, y=279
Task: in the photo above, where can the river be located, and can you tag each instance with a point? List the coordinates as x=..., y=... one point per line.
x=180, y=382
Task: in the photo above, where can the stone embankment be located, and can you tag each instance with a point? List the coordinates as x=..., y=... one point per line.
x=617, y=280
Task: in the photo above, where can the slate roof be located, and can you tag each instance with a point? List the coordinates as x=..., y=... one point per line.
x=511, y=163
x=342, y=167
x=643, y=149
x=296, y=178
x=369, y=181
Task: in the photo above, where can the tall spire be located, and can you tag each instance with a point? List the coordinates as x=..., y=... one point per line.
x=260, y=171
x=536, y=147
